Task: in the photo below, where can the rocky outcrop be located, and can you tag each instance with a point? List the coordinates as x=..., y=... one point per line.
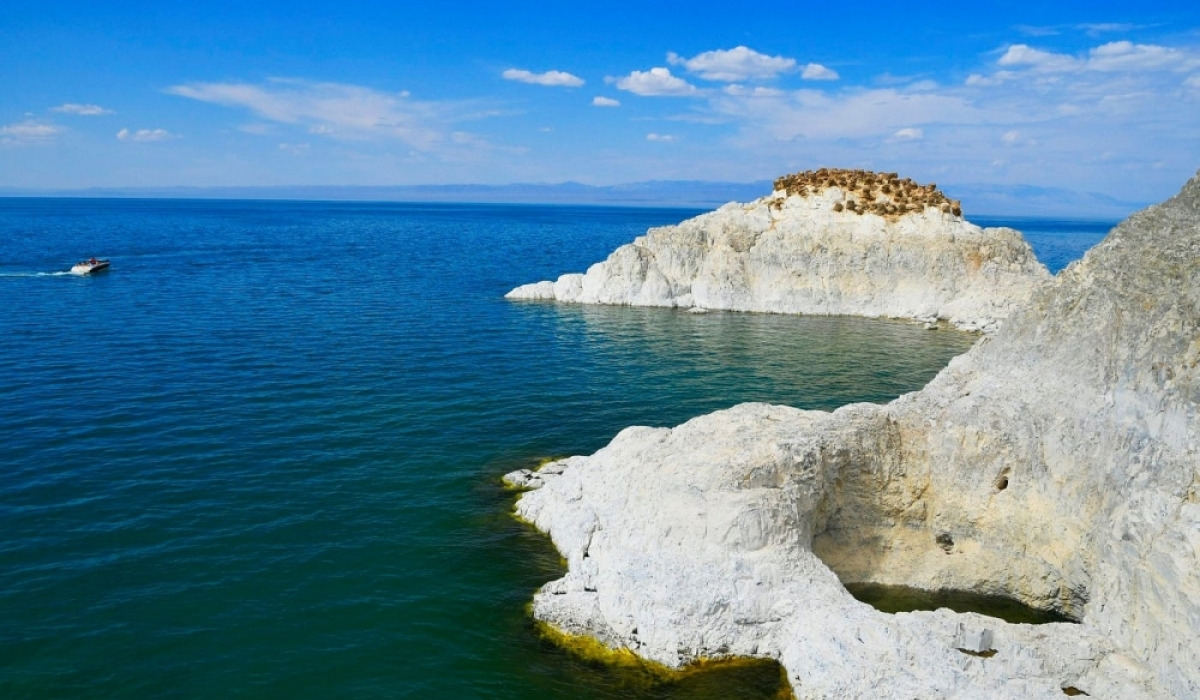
x=1056, y=463
x=826, y=242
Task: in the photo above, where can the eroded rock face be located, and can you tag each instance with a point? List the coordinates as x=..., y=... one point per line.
x=1056, y=463
x=820, y=246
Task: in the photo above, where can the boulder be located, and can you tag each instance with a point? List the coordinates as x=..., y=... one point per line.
x=799, y=250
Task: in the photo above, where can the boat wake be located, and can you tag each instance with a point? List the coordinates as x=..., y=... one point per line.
x=35, y=274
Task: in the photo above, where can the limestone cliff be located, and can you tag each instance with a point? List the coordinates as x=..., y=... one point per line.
x=824, y=242
x=1056, y=462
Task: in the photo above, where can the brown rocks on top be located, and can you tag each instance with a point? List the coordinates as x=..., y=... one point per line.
x=867, y=192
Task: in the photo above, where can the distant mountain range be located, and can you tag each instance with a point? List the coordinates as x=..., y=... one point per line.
x=1027, y=200
x=998, y=200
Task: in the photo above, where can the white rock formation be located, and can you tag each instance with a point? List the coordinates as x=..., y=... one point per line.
x=1056, y=462
x=793, y=253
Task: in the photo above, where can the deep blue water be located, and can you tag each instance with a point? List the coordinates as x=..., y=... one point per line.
x=260, y=456
x=1057, y=242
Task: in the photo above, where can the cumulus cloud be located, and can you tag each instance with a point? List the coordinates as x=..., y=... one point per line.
x=82, y=110
x=599, y=101
x=145, y=135
x=338, y=110
x=1088, y=117
x=1025, y=55
x=816, y=71
x=28, y=132
x=656, y=82
x=662, y=138
x=1116, y=56
x=552, y=78
x=737, y=64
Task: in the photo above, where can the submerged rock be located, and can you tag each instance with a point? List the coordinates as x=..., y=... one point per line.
x=826, y=242
x=1054, y=463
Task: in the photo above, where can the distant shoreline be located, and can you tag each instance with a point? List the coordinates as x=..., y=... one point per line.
x=978, y=200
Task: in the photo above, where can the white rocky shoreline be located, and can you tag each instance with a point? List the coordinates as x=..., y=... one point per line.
x=1057, y=463
x=829, y=242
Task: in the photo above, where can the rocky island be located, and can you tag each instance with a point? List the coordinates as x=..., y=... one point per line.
x=828, y=241
x=1055, y=463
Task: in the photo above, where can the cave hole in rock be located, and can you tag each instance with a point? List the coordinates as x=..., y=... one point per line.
x=901, y=541
x=945, y=541
x=894, y=599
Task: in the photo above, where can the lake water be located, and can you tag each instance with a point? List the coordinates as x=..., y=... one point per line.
x=260, y=457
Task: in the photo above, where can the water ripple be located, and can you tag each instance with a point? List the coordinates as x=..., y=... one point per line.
x=260, y=455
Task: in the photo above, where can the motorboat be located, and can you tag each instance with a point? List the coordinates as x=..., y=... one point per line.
x=87, y=267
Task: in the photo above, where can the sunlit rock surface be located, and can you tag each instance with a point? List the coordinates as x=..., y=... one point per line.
x=1055, y=463
x=825, y=242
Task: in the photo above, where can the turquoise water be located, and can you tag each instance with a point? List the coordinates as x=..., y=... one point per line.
x=260, y=457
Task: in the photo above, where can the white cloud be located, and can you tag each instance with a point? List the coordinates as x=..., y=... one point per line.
x=1126, y=55
x=816, y=71
x=1030, y=30
x=1097, y=28
x=1060, y=111
x=82, y=110
x=599, y=101
x=1116, y=56
x=997, y=78
x=743, y=91
x=552, y=78
x=853, y=113
x=908, y=134
x=1092, y=29
x=295, y=149
x=662, y=138
x=656, y=82
x=145, y=135
x=338, y=110
x=1025, y=55
x=736, y=64
x=28, y=132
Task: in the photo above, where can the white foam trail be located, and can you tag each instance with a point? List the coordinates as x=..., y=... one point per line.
x=35, y=274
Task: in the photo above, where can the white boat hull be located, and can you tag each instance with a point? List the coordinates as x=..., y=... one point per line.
x=87, y=268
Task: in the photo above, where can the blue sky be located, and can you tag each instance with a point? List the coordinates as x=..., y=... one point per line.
x=1092, y=96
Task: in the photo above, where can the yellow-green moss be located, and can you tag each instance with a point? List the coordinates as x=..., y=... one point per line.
x=650, y=672
x=638, y=670
x=541, y=462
